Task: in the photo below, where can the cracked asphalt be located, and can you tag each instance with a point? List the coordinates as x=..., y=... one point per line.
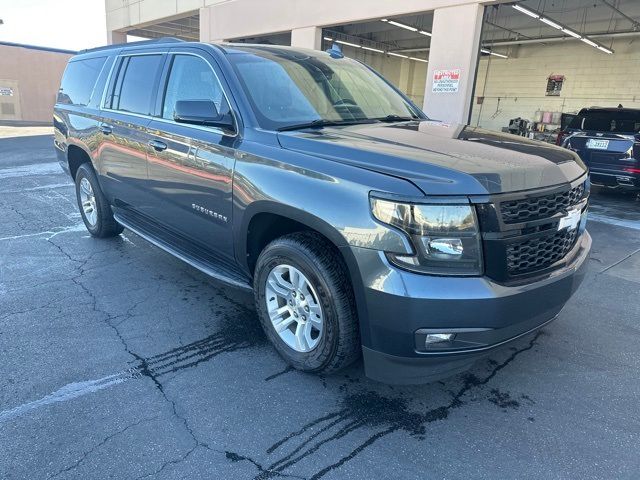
x=120, y=361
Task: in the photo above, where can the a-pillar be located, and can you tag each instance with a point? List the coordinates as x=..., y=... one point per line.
x=455, y=46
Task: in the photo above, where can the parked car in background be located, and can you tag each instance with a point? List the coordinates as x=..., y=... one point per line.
x=362, y=226
x=608, y=142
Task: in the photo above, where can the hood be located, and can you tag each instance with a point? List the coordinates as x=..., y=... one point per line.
x=442, y=159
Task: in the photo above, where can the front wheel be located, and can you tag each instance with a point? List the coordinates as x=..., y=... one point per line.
x=305, y=303
x=94, y=207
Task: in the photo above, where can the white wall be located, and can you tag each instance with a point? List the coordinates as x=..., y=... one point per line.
x=247, y=18
x=592, y=78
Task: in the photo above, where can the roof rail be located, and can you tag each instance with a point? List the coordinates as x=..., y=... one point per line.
x=133, y=44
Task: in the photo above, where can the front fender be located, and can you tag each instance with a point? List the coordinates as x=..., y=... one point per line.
x=325, y=196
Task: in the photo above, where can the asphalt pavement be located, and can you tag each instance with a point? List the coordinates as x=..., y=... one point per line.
x=119, y=361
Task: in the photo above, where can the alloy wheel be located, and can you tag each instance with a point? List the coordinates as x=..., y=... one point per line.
x=88, y=202
x=294, y=308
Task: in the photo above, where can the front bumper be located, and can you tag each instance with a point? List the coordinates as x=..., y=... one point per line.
x=484, y=314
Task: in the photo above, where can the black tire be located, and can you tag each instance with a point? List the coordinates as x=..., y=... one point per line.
x=105, y=225
x=311, y=254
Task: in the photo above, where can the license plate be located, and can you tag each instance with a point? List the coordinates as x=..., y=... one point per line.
x=597, y=144
x=571, y=220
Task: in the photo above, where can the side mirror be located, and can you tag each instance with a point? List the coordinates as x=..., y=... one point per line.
x=201, y=112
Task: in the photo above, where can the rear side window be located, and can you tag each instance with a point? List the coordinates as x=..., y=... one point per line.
x=79, y=80
x=608, y=121
x=134, y=86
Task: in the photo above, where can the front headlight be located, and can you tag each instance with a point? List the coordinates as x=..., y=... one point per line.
x=446, y=238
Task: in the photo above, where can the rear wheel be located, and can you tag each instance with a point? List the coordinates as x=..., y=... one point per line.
x=94, y=207
x=305, y=303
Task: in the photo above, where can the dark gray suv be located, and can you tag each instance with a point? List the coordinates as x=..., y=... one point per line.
x=362, y=226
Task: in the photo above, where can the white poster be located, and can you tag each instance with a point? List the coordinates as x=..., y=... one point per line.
x=6, y=92
x=446, y=81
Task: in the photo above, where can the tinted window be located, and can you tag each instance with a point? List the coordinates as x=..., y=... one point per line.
x=625, y=121
x=78, y=81
x=134, y=88
x=288, y=89
x=192, y=78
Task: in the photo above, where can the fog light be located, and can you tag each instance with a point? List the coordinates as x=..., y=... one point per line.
x=434, y=338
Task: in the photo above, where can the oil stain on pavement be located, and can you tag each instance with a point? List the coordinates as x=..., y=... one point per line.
x=376, y=414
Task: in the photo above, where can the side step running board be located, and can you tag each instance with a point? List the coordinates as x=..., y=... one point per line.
x=209, y=267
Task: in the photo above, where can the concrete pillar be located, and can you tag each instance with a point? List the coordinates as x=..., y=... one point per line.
x=205, y=25
x=307, y=37
x=455, y=45
x=114, y=37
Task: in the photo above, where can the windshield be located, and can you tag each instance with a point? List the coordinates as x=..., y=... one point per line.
x=288, y=88
x=625, y=121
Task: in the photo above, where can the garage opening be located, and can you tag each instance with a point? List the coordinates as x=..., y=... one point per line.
x=185, y=27
x=398, y=48
x=543, y=61
x=283, y=38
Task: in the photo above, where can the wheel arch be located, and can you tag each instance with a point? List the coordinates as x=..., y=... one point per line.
x=264, y=221
x=77, y=154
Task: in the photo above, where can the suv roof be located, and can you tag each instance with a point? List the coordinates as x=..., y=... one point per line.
x=231, y=48
x=226, y=48
x=156, y=41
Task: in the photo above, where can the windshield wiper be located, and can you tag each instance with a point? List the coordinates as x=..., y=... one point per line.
x=320, y=123
x=396, y=118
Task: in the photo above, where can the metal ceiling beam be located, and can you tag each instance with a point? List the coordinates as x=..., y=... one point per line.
x=500, y=27
x=636, y=24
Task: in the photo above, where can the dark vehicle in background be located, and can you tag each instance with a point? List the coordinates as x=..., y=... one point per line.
x=362, y=227
x=608, y=142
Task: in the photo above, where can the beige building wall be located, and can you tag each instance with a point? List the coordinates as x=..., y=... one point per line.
x=516, y=87
x=29, y=82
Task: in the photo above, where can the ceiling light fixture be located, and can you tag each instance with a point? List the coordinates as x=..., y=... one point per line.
x=402, y=25
x=397, y=55
x=562, y=28
x=525, y=11
x=424, y=32
x=572, y=33
x=327, y=36
x=489, y=52
x=551, y=23
x=590, y=42
x=354, y=45
x=372, y=49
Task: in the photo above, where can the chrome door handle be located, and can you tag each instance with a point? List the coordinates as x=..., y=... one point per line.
x=106, y=129
x=157, y=145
